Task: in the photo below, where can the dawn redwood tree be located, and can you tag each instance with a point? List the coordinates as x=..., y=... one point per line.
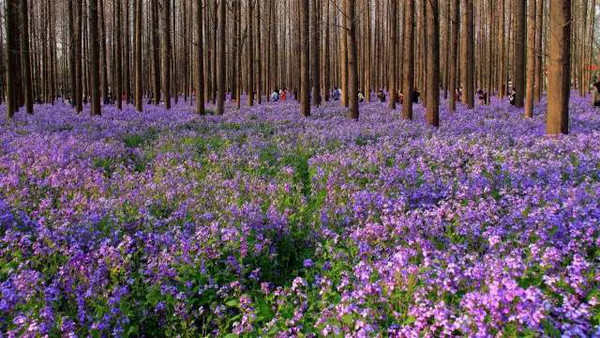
x=315, y=51
x=26, y=57
x=94, y=57
x=221, y=58
x=531, y=57
x=250, y=53
x=559, y=67
x=409, y=60
x=78, y=57
x=453, y=58
x=393, y=52
x=11, y=20
x=538, y=47
x=118, y=76
x=344, y=54
x=519, y=30
x=138, y=18
x=501, y=51
x=433, y=63
x=199, y=59
x=156, y=85
x=304, y=57
x=468, y=54
x=352, y=61
x=166, y=53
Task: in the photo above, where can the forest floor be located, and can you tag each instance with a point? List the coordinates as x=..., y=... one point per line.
x=263, y=223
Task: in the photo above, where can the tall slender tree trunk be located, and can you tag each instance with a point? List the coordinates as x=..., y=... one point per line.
x=530, y=83
x=344, y=54
x=221, y=58
x=78, y=58
x=559, y=61
x=26, y=57
x=305, y=61
x=467, y=51
x=368, y=43
x=155, y=53
x=138, y=55
x=94, y=58
x=11, y=16
x=119, y=55
x=166, y=53
x=519, y=31
x=502, y=51
x=199, y=60
x=315, y=55
x=259, y=79
x=453, y=59
x=409, y=60
x=393, y=53
x=103, y=51
x=352, y=60
x=433, y=63
x=537, y=91
x=327, y=54
x=249, y=21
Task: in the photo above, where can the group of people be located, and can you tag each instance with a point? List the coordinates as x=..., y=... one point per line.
x=278, y=95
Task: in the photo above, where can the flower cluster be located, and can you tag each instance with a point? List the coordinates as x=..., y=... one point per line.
x=263, y=223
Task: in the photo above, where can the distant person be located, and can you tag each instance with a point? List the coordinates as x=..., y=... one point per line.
x=336, y=94
x=275, y=96
x=513, y=97
x=283, y=94
x=381, y=96
x=415, y=96
x=596, y=95
x=400, y=98
x=481, y=97
x=361, y=96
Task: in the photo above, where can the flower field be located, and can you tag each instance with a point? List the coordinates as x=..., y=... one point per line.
x=263, y=223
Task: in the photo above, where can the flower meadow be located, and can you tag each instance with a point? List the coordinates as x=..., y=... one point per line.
x=261, y=223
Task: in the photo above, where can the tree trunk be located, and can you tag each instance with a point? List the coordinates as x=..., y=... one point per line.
x=530, y=83
x=519, y=31
x=103, y=51
x=344, y=54
x=315, y=55
x=393, y=53
x=305, y=61
x=166, y=53
x=467, y=51
x=433, y=63
x=26, y=57
x=453, y=59
x=249, y=21
x=559, y=61
x=94, y=58
x=537, y=92
x=11, y=19
x=221, y=58
x=138, y=55
x=409, y=60
x=352, y=60
x=199, y=60
x=118, y=55
x=155, y=53
x=502, y=52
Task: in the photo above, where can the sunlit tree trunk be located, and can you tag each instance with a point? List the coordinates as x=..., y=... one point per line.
x=409, y=60
x=559, y=61
x=352, y=60
x=433, y=63
x=530, y=83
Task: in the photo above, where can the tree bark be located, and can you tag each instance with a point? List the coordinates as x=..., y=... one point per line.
x=221, y=58
x=305, y=62
x=166, y=53
x=352, y=61
x=315, y=55
x=433, y=63
x=13, y=56
x=249, y=21
x=559, y=61
x=119, y=55
x=467, y=51
x=453, y=59
x=409, y=60
x=138, y=56
x=26, y=57
x=519, y=31
x=530, y=83
x=199, y=60
x=94, y=58
x=393, y=53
